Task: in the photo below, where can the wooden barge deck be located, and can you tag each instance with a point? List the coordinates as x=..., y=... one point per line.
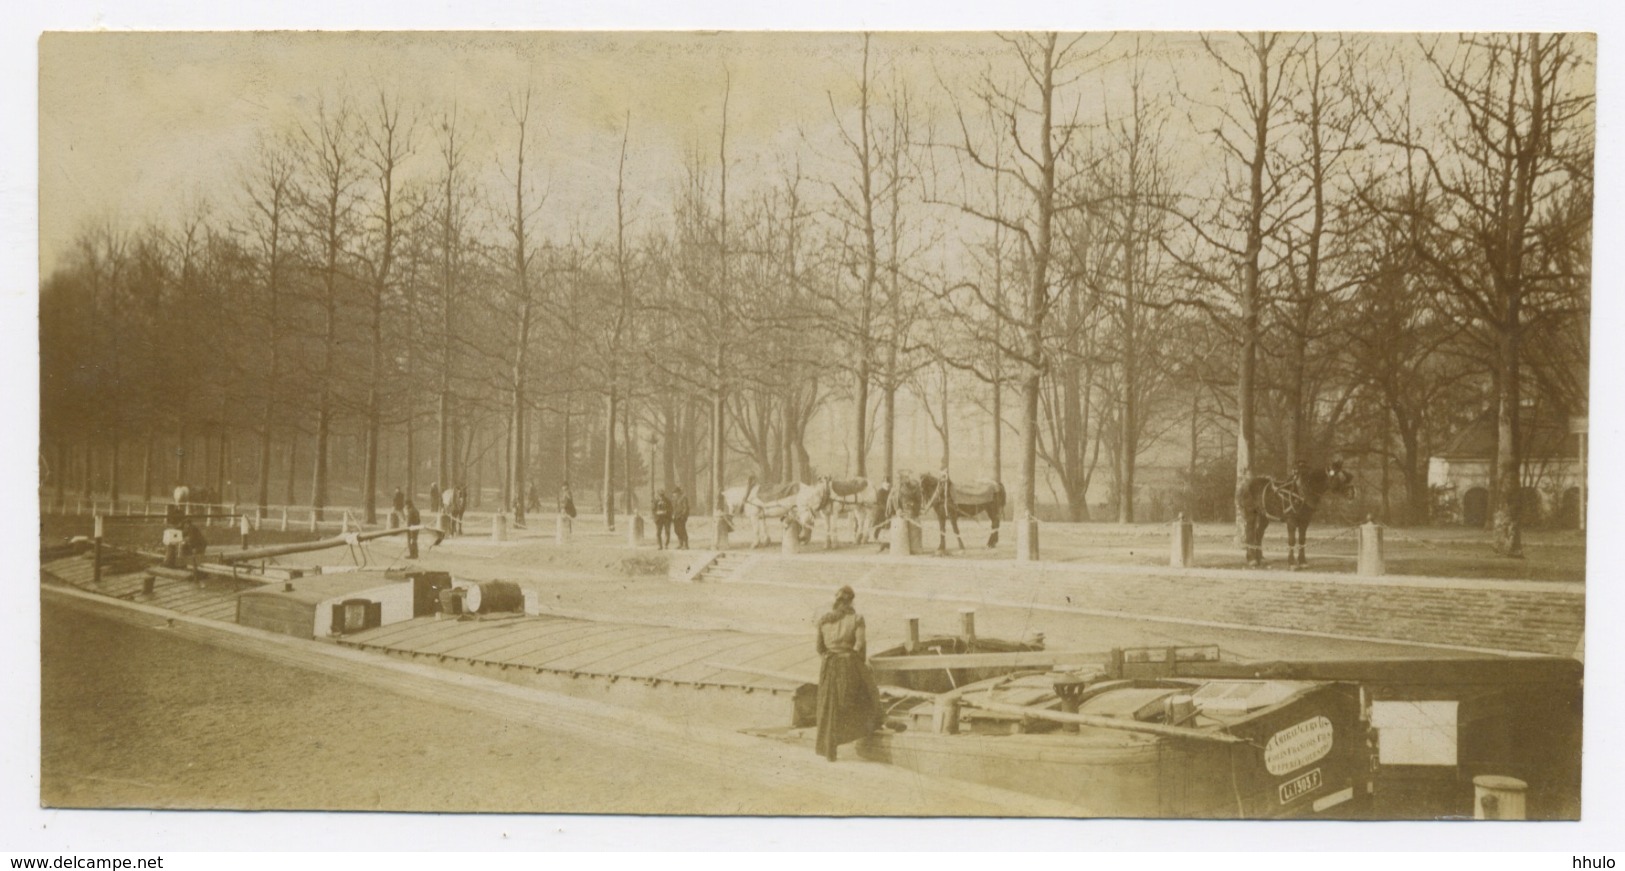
x=651, y=655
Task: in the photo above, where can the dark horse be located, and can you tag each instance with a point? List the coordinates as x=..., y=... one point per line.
x=952, y=501
x=1294, y=501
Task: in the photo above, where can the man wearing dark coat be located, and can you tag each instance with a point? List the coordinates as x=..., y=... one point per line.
x=413, y=520
x=679, y=517
x=567, y=503
x=662, y=513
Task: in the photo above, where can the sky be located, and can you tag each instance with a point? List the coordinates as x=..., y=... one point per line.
x=131, y=125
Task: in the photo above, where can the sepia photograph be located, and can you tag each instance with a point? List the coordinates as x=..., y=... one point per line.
x=1144, y=425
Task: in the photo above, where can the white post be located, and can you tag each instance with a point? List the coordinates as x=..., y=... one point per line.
x=719, y=534
x=1371, y=562
x=634, y=531
x=499, y=527
x=791, y=543
x=967, y=624
x=1183, y=554
x=1026, y=539
x=902, y=537
x=284, y=518
x=562, y=530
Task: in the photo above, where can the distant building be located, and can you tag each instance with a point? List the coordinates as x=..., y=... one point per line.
x=1554, y=469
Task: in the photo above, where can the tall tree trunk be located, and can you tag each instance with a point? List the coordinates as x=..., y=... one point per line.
x=628, y=456
x=181, y=468
x=1128, y=423
x=1190, y=475
x=1508, y=484
x=113, y=482
x=1247, y=352
x=293, y=467
x=369, y=483
x=568, y=442
x=220, y=465
x=608, y=489
x=947, y=453
x=148, y=449
x=1037, y=302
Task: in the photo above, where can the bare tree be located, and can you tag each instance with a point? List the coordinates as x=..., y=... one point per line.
x=386, y=144
x=270, y=192
x=1043, y=145
x=521, y=257
x=331, y=173
x=1516, y=139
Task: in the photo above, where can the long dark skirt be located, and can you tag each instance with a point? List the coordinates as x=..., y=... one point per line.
x=848, y=702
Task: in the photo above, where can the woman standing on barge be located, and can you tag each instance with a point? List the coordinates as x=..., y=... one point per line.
x=848, y=702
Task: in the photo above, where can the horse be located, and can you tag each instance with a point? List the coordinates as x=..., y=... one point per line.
x=760, y=503
x=952, y=501
x=1294, y=501
x=453, y=503
x=859, y=498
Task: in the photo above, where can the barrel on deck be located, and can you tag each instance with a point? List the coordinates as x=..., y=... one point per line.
x=489, y=597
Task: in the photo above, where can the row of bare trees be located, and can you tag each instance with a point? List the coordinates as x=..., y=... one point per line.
x=1285, y=247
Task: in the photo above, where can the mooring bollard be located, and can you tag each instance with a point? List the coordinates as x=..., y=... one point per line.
x=791, y=542
x=499, y=527
x=1496, y=797
x=967, y=624
x=1371, y=563
x=1026, y=539
x=562, y=530
x=1183, y=554
x=634, y=531
x=719, y=533
x=903, y=537
x=244, y=521
x=284, y=518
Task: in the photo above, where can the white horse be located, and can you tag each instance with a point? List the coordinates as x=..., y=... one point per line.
x=452, y=505
x=759, y=504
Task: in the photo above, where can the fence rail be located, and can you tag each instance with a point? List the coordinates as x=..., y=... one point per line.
x=284, y=517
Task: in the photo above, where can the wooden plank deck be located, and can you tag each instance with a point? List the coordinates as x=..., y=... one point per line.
x=545, y=644
x=213, y=599
x=611, y=650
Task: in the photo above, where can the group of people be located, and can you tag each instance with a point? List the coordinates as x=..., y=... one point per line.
x=671, y=515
